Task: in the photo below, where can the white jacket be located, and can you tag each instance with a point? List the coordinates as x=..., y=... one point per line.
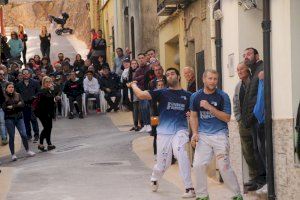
x=92, y=86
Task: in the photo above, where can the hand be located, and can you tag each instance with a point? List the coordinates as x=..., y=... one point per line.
x=261, y=75
x=20, y=103
x=204, y=104
x=129, y=85
x=194, y=140
x=108, y=90
x=188, y=114
x=9, y=107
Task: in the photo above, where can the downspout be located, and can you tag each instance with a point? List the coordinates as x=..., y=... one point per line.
x=266, y=26
x=218, y=43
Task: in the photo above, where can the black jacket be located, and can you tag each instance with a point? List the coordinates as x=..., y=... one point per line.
x=14, y=100
x=73, y=88
x=46, y=104
x=29, y=92
x=248, y=117
x=2, y=98
x=112, y=82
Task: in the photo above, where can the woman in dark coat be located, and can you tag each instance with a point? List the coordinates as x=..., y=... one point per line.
x=44, y=110
x=13, y=106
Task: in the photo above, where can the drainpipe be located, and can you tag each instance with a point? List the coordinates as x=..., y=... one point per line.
x=218, y=43
x=266, y=26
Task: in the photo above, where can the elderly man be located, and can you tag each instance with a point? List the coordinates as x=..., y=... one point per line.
x=189, y=75
x=245, y=133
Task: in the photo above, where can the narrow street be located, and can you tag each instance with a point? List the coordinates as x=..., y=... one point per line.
x=93, y=159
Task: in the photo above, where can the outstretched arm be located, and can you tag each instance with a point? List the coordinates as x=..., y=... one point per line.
x=142, y=95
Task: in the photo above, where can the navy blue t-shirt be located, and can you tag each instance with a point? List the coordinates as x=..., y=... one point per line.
x=172, y=108
x=208, y=123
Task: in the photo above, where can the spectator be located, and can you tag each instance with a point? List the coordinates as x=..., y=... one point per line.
x=94, y=36
x=45, y=111
x=135, y=102
x=101, y=62
x=117, y=68
x=7, y=76
x=5, y=50
x=37, y=62
x=45, y=39
x=60, y=60
x=189, y=76
x=159, y=76
x=12, y=107
x=3, y=81
x=245, y=133
x=124, y=81
x=28, y=89
x=2, y=119
x=79, y=62
x=46, y=66
x=151, y=53
x=58, y=87
x=23, y=36
x=91, y=89
x=98, y=48
x=15, y=70
x=74, y=90
x=144, y=104
x=252, y=60
x=16, y=46
x=110, y=84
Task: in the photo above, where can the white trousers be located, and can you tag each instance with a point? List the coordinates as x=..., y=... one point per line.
x=207, y=146
x=166, y=144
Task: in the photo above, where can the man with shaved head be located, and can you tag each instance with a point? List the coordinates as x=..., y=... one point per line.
x=189, y=75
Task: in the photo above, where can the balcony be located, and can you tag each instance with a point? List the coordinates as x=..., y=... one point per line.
x=167, y=7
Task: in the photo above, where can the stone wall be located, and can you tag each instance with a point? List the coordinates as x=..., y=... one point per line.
x=34, y=15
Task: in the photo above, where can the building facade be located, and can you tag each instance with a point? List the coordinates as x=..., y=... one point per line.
x=241, y=28
x=186, y=35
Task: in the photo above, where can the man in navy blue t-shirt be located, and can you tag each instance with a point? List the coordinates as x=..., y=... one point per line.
x=172, y=131
x=210, y=113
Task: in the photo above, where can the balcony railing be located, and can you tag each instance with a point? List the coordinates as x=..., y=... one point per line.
x=167, y=7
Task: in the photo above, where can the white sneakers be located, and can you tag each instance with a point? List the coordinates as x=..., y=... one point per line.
x=14, y=158
x=146, y=128
x=189, y=193
x=263, y=190
x=29, y=153
x=154, y=186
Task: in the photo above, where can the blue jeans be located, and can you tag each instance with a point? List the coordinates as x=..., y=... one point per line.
x=11, y=124
x=2, y=125
x=145, y=111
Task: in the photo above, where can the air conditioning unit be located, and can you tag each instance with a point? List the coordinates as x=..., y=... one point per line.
x=248, y=4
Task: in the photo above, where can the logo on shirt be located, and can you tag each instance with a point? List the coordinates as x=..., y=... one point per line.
x=214, y=103
x=183, y=97
x=175, y=106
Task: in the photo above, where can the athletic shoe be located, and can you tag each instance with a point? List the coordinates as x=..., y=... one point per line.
x=154, y=185
x=108, y=110
x=263, y=190
x=98, y=110
x=143, y=129
x=4, y=142
x=189, y=193
x=148, y=129
x=255, y=186
x=237, y=197
x=81, y=115
x=42, y=148
x=14, y=158
x=30, y=153
x=137, y=129
x=116, y=109
x=71, y=116
x=50, y=147
x=249, y=183
x=203, y=198
x=132, y=129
